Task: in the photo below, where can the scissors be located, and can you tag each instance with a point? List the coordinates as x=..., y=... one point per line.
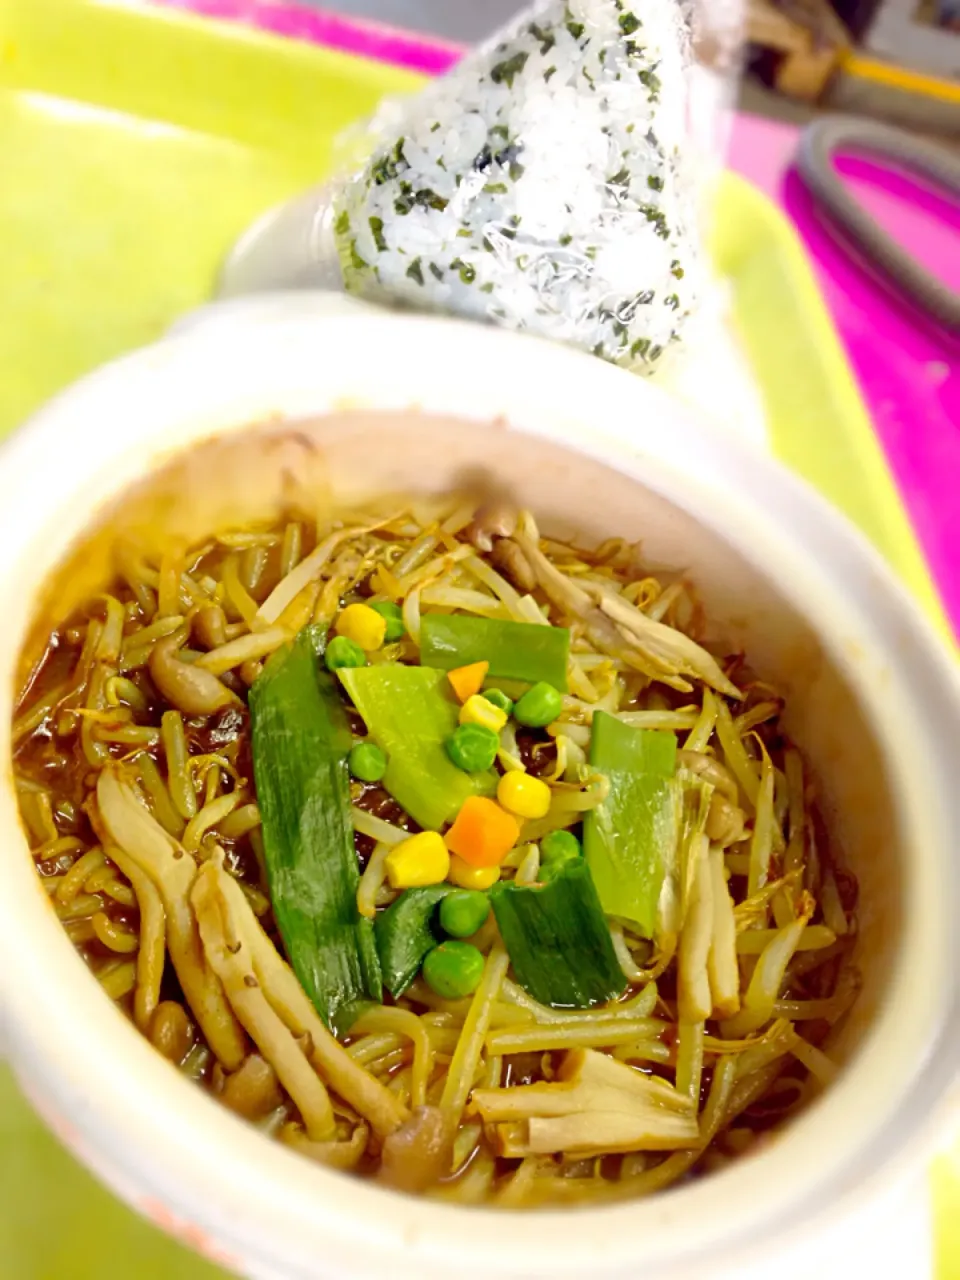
x=819, y=145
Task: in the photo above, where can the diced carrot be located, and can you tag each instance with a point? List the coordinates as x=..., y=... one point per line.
x=483, y=833
x=467, y=681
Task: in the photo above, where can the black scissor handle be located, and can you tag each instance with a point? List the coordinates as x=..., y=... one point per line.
x=820, y=142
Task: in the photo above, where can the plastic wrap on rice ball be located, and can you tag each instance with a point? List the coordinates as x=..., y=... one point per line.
x=543, y=184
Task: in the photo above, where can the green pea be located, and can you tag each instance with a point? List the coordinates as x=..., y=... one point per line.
x=342, y=652
x=394, y=618
x=558, y=848
x=539, y=706
x=473, y=747
x=367, y=762
x=453, y=970
x=462, y=913
x=499, y=699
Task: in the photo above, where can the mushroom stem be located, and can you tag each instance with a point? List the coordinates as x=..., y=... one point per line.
x=292, y=1008
x=153, y=938
x=137, y=833
x=233, y=964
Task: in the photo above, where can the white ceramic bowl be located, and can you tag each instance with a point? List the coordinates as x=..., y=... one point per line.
x=385, y=401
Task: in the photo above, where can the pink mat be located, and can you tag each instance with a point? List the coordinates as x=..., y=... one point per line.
x=427, y=54
x=909, y=373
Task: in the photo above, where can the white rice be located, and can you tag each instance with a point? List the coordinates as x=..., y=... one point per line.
x=542, y=185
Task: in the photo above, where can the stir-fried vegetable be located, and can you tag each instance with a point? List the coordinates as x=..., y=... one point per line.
x=514, y=650
x=453, y=969
x=559, y=847
x=524, y=796
x=595, y=1105
x=480, y=711
x=473, y=747
x=722, y=969
x=366, y=627
x=301, y=745
x=499, y=699
x=392, y=614
x=342, y=652
x=269, y=1001
x=467, y=681
x=462, y=914
x=132, y=829
x=406, y=932
x=409, y=713
x=468, y=876
x=419, y=860
x=367, y=762
x=628, y=838
x=538, y=706
x=483, y=833
x=571, y=878
x=558, y=939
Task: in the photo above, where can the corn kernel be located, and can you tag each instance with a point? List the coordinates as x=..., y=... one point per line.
x=420, y=860
x=477, y=710
x=363, y=625
x=466, y=877
x=523, y=795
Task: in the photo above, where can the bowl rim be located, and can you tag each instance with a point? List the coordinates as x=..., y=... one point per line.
x=196, y=385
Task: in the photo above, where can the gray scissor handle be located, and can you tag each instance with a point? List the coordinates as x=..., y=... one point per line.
x=818, y=145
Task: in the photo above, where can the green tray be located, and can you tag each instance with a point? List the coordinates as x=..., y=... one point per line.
x=137, y=144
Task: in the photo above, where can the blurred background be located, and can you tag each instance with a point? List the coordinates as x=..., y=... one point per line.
x=894, y=60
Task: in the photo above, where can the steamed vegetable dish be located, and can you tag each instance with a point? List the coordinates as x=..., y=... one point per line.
x=442, y=851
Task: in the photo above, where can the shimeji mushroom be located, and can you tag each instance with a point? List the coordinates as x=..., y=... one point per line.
x=596, y=1105
x=279, y=1017
x=136, y=832
x=619, y=628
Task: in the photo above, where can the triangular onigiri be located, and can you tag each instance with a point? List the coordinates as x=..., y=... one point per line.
x=542, y=184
